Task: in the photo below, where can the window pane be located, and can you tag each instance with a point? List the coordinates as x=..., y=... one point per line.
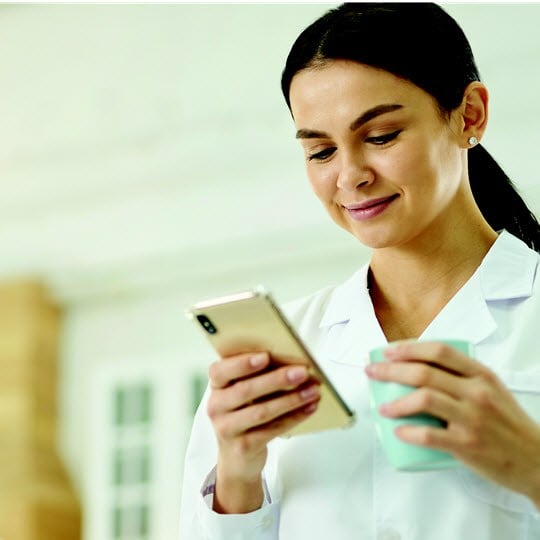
x=119, y=407
x=198, y=386
x=146, y=404
x=133, y=405
x=131, y=466
x=117, y=467
x=144, y=530
x=131, y=521
x=117, y=523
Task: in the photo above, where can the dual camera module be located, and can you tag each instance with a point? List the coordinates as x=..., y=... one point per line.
x=206, y=323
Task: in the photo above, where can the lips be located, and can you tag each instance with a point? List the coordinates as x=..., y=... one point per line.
x=369, y=203
x=370, y=208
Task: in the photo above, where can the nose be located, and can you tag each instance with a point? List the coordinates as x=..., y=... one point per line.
x=354, y=173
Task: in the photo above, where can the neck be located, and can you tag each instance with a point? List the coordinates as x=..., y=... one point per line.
x=411, y=283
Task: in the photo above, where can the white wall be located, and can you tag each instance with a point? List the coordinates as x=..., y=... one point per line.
x=148, y=160
x=136, y=131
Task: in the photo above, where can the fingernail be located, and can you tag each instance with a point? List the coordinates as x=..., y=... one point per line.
x=384, y=409
x=311, y=408
x=296, y=374
x=257, y=360
x=392, y=352
x=310, y=392
x=371, y=369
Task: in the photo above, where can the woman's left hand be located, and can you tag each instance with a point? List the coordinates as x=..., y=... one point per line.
x=486, y=427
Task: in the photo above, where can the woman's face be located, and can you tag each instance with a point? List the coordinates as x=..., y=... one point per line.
x=379, y=155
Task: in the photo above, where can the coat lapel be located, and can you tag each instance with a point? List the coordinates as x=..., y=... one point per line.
x=466, y=317
x=506, y=274
x=350, y=321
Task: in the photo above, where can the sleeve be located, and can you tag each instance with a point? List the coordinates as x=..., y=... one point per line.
x=197, y=519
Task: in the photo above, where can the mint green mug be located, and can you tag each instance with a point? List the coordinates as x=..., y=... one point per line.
x=401, y=455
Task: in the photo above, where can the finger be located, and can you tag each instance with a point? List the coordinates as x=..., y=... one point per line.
x=417, y=374
x=425, y=400
x=440, y=353
x=461, y=441
x=223, y=372
x=430, y=437
x=246, y=391
x=262, y=435
x=256, y=415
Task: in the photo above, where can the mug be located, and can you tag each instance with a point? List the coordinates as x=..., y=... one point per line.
x=401, y=455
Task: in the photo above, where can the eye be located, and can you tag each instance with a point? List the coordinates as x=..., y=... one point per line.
x=381, y=140
x=322, y=155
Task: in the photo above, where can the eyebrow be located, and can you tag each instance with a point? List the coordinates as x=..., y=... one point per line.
x=365, y=117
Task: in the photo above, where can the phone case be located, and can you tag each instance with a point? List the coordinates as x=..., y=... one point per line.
x=251, y=321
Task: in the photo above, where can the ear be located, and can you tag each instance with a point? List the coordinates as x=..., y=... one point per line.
x=474, y=112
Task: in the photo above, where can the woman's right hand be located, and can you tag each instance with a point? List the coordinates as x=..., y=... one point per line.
x=249, y=406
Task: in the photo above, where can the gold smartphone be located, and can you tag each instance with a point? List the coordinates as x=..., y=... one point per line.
x=251, y=321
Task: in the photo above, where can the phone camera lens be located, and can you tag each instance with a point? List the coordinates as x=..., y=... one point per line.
x=206, y=324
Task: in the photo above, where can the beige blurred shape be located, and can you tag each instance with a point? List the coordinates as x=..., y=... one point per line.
x=37, y=501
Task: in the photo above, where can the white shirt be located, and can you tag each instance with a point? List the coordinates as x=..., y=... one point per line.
x=337, y=485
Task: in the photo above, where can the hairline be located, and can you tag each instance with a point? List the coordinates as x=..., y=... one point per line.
x=319, y=62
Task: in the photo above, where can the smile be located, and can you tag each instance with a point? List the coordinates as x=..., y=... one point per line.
x=370, y=208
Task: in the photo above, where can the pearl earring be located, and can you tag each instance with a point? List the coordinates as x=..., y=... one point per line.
x=473, y=141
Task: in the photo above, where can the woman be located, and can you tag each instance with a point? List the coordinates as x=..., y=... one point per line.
x=389, y=110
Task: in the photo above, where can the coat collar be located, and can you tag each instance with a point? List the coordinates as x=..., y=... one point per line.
x=507, y=272
x=346, y=297
x=509, y=269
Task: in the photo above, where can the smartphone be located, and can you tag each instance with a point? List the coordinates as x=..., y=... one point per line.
x=252, y=322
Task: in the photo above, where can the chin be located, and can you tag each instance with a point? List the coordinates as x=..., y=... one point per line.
x=370, y=235
x=376, y=239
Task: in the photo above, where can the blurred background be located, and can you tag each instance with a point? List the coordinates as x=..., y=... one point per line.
x=148, y=161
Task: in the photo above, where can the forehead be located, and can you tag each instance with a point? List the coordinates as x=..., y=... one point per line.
x=344, y=88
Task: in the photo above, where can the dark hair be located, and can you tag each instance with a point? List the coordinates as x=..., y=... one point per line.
x=421, y=43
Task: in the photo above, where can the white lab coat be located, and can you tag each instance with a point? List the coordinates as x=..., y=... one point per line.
x=337, y=485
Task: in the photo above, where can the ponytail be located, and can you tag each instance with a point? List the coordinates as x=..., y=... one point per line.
x=498, y=199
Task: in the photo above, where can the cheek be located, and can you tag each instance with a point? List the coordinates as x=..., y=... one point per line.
x=415, y=158
x=441, y=167
x=414, y=166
